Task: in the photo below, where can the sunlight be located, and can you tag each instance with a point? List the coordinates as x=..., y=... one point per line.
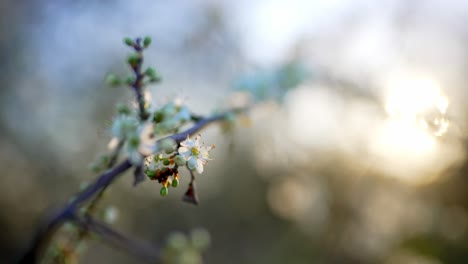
x=405, y=138
x=416, y=116
x=419, y=106
x=407, y=98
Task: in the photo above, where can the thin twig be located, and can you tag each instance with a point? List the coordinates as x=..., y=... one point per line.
x=138, y=84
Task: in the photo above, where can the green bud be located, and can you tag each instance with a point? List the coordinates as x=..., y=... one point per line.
x=158, y=117
x=167, y=145
x=147, y=41
x=128, y=41
x=94, y=167
x=133, y=59
x=104, y=159
x=180, y=160
x=155, y=79
x=175, y=182
x=169, y=110
x=130, y=80
x=150, y=174
x=123, y=109
x=164, y=191
x=166, y=162
x=150, y=72
x=134, y=141
x=112, y=80
x=166, y=126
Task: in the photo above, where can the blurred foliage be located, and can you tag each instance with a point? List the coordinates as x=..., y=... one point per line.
x=272, y=83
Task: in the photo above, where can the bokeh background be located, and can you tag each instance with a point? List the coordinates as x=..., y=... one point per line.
x=354, y=153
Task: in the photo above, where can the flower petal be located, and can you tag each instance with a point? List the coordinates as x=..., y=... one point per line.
x=199, y=166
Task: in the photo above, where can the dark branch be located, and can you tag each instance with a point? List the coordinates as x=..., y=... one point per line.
x=138, y=84
x=197, y=127
x=141, y=249
x=43, y=236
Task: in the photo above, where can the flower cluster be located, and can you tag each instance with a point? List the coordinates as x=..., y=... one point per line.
x=140, y=128
x=171, y=116
x=164, y=166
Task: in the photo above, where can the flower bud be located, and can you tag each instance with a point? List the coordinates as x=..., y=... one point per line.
x=175, y=182
x=180, y=160
x=158, y=117
x=155, y=79
x=123, y=109
x=150, y=174
x=167, y=145
x=130, y=80
x=94, y=167
x=112, y=80
x=150, y=72
x=133, y=59
x=192, y=164
x=147, y=41
x=128, y=41
x=167, y=126
x=164, y=191
x=134, y=141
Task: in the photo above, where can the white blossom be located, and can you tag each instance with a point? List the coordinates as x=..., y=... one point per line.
x=196, y=155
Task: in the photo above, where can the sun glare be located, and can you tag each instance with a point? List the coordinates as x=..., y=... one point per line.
x=416, y=116
x=417, y=103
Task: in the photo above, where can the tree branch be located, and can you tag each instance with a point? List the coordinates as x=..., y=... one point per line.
x=44, y=234
x=141, y=249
